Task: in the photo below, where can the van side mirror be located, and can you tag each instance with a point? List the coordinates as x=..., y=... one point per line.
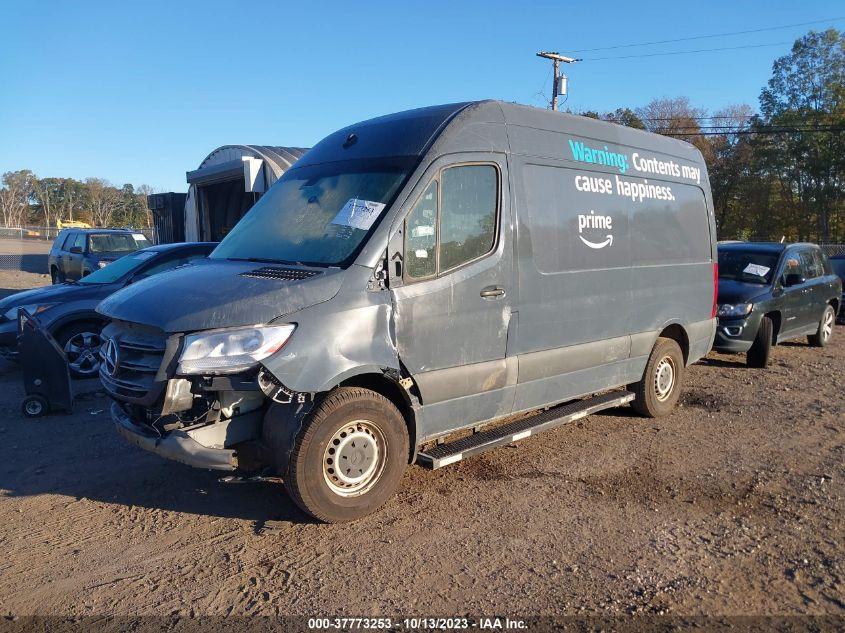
x=793, y=279
x=76, y=249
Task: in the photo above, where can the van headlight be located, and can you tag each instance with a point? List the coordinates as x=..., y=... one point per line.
x=229, y=351
x=734, y=310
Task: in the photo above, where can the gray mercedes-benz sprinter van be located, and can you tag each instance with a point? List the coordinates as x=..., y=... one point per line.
x=438, y=272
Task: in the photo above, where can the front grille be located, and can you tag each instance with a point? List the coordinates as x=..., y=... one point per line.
x=285, y=274
x=140, y=353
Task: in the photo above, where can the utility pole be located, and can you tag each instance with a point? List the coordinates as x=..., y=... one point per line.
x=559, y=83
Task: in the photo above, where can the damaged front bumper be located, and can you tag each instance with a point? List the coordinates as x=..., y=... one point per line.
x=177, y=445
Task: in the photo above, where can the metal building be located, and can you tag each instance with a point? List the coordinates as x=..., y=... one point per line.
x=228, y=182
x=168, y=216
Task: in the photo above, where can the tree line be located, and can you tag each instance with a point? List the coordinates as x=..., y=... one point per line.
x=26, y=199
x=777, y=172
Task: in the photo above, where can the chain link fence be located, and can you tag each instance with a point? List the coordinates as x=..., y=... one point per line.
x=833, y=249
x=25, y=248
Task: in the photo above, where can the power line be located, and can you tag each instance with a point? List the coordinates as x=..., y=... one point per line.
x=736, y=128
x=726, y=116
x=753, y=131
x=702, y=37
x=700, y=50
x=702, y=118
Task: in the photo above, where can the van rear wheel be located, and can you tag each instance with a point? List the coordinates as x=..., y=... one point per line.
x=350, y=456
x=658, y=391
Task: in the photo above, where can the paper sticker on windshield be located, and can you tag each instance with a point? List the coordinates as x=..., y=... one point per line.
x=139, y=237
x=359, y=214
x=756, y=269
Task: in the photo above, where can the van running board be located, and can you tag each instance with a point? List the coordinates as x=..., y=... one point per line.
x=445, y=454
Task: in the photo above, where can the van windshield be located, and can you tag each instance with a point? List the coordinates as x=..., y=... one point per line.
x=754, y=267
x=318, y=214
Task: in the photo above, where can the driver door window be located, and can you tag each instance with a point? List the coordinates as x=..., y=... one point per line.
x=454, y=222
x=421, y=236
x=794, y=266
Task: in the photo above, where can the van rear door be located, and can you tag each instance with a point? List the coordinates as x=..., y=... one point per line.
x=453, y=299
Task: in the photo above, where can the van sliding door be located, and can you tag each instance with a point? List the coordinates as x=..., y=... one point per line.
x=574, y=263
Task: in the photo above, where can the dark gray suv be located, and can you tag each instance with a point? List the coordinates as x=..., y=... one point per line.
x=79, y=252
x=770, y=293
x=67, y=310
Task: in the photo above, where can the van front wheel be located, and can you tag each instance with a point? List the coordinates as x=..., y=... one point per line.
x=350, y=456
x=659, y=390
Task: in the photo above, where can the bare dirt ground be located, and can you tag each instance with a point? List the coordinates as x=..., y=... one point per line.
x=731, y=506
x=16, y=281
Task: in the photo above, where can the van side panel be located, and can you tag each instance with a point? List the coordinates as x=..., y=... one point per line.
x=615, y=243
x=574, y=286
x=672, y=277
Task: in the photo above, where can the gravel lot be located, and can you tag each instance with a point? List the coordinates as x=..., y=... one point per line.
x=731, y=506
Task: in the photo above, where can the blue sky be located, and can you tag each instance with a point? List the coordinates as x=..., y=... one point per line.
x=140, y=92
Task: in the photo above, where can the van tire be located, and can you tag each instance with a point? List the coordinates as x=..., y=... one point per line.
x=825, y=330
x=761, y=348
x=658, y=391
x=55, y=276
x=345, y=415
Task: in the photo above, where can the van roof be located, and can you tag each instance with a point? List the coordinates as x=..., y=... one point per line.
x=412, y=132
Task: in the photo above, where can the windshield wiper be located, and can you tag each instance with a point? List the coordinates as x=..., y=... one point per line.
x=264, y=260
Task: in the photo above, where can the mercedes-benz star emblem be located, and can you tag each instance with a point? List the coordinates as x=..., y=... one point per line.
x=111, y=357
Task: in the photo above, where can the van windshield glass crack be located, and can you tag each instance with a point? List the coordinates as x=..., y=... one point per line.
x=318, y=214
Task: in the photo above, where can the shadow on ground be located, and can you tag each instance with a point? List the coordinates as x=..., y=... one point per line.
x=81, y=456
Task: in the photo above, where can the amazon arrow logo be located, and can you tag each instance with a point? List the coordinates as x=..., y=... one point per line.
x=593, y=221
x=607, y=242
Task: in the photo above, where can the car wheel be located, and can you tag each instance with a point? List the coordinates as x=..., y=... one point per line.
x=349, y=457
x=659, y=390
x=81, y=344
x=825, y=331
x=761, y=348
x=55, y=276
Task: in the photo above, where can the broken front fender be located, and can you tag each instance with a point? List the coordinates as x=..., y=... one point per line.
x=351, y=334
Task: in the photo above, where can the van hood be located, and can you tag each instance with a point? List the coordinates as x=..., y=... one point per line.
x=733, y=292
x=213, y=294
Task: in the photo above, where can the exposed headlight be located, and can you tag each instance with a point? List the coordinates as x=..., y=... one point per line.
x=32, y=308
x=229, y=351
x=731, y=310
x=102, y=264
